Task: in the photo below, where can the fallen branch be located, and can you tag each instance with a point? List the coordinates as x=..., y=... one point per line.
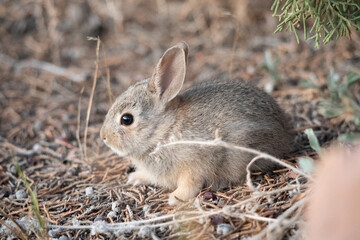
x=18, y=66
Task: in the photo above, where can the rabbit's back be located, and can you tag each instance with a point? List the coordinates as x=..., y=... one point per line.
x=242, y=113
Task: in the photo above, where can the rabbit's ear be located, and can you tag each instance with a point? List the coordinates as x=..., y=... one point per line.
x=169, y=74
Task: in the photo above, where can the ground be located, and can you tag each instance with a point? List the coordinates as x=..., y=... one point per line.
x=47, y=92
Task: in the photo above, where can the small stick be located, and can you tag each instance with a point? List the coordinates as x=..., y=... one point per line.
x=92, y=94
x=219, y=142
x=111, y=97
x=78, y=125
x=48, y=67
x=48, y=215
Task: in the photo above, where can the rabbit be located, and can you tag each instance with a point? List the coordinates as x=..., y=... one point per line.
x=152, y=112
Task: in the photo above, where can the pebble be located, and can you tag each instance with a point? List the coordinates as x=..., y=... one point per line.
x=12, y=169
x=112, y=214
x=52, y=233
x=37, y=125
x=217, y=220
x=100, y=218
x=36, y=147
x=20, y=194
x=89, y=191
x=114, y=206
x=224, y=228
x=72, y=171
x=4, y=193
x=209, y=196
x=144, y=232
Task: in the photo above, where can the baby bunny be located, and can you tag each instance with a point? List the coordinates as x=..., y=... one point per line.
x=152, y=112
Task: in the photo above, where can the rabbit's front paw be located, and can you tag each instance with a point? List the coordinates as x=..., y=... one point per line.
x=183, y=194
x=188, y=188
x=174, y=199
x=137, y=178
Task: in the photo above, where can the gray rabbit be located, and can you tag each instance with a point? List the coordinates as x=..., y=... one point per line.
x=152, y=112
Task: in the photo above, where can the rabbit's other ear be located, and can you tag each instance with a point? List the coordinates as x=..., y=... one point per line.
x=169, y=74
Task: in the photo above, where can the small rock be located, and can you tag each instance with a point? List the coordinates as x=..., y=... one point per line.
x=73, y=171
x=89, y=191
x=63, y=139
x=64, y=238
x=269, y=87
x=144, y=232
x=146, y=210
x=100, y=218
x=42, y=185
x=5, y=230
x=20, y=194
x=54, y=232
x=221, y=202
x=114, y=206
x=4, y=193
x=112, y=214
x=209, y=196
x=30, y=160
x=224, y=228
x=36, y=147
x=217, y=219
x=75, y=222
x=12, y=169
x=37, y=125
x=66, y=117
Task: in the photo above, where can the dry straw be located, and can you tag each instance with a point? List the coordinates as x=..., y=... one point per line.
x=92, y=94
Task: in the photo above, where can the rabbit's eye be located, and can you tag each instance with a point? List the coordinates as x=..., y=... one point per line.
x=127, y=119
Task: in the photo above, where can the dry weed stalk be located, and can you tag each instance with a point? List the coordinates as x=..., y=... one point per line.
x=78, y=125
x=98, y=41
x=218, y=142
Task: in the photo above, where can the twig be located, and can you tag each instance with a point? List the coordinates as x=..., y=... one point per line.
x=248, y=173
x=43, y=66
x=111, y=97
x=219, y=142
x=264, y=233
x=92, y=94
x=78, y=125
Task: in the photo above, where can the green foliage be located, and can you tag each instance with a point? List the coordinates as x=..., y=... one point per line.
x=34, y=202
x=328, y=19
x=314, y=143
x=306, y=164
x=349, y=137
x=340, y=102
x=270, y=66
x=305, y=83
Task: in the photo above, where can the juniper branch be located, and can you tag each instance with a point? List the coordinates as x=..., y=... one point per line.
x=326, y=19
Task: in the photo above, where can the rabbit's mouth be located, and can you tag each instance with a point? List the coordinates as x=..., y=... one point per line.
x=116, y=150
